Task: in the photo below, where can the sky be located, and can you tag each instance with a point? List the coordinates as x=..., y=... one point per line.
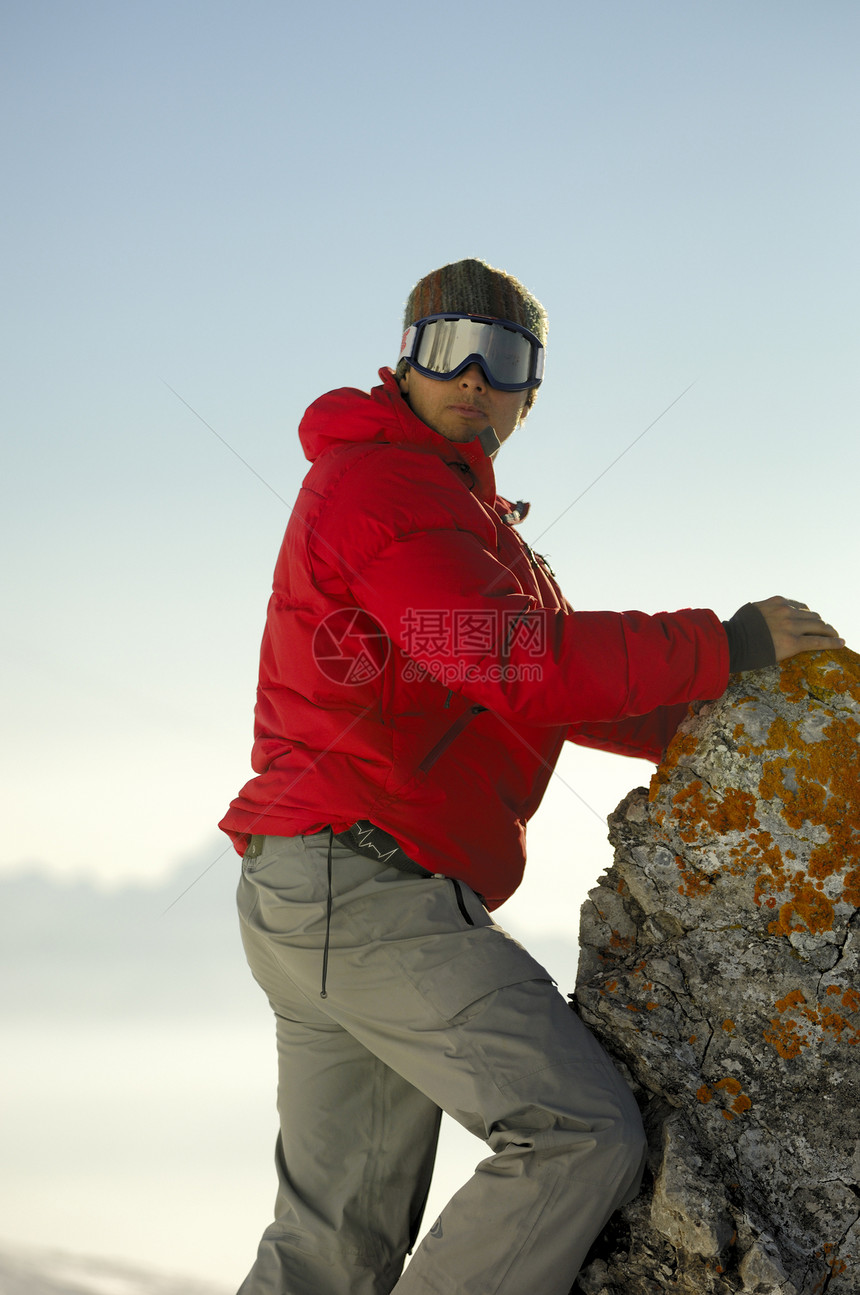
x=23, y=1272
x=215, y=211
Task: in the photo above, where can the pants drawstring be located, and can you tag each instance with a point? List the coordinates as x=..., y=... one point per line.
x=323, y=993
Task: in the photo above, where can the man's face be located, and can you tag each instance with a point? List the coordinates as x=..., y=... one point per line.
x=461, y=407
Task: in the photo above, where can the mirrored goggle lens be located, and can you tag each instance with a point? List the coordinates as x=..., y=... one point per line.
x=512, y=358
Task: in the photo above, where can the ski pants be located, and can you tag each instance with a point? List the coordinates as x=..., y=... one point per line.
x=428, y=1006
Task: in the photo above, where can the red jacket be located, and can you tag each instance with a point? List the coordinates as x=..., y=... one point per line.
x=420, y=667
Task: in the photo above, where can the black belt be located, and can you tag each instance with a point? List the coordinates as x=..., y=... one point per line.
x=363, y=838
x=366, y=838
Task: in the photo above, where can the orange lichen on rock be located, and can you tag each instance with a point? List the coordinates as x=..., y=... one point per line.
x=832, y=1023
x=816, y=785
x=851, y=888
x=744, y=744
x=807, y=910
x=693, y=884
x=784, y=1034
x=835, y=1265
x=786, y=1038
x=759, y=850
x=805, y=1024
x=851, y=1000
x=682, y=744
x=822, y=776
x=729, y=1087
x=823, y=674
x=733, y=811
x=790, y=1000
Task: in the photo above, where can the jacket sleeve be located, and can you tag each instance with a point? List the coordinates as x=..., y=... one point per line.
x=645, y=736
x=412, y=554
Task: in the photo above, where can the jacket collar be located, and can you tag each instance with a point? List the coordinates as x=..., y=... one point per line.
x=383, y=416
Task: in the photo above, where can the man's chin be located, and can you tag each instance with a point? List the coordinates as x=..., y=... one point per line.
x=457, y=434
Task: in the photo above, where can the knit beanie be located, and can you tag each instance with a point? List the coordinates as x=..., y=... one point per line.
x=472, y=287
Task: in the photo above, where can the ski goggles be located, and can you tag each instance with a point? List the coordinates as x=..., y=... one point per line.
x=441, y=346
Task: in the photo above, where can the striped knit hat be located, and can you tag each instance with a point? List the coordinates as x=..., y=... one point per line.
x=472, y=287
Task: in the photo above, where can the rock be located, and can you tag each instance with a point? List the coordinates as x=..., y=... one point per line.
x=719, y=967
x=689, y=1205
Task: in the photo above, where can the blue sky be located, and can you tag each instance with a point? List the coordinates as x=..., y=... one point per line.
x=233, y=201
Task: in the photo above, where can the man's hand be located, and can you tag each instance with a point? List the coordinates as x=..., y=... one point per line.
x=794, y=628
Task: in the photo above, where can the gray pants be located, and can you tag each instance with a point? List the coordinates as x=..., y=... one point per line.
x=428, y=1005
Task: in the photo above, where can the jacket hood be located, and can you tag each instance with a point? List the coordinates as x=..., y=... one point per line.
x=348, y=415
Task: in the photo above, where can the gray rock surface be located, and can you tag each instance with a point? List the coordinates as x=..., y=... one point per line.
x=719, y=967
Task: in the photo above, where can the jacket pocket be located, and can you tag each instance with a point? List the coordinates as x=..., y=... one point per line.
x=458, y=895
x=449, y=736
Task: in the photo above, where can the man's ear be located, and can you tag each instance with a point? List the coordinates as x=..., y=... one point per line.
x=403, y=379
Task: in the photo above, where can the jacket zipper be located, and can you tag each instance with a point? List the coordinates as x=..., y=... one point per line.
x=448, y=737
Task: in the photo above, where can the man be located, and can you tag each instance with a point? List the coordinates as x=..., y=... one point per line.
x=420, y=671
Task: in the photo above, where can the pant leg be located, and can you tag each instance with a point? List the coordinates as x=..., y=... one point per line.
x=462, y=1013
x=354, y=1154
x=569, y=1149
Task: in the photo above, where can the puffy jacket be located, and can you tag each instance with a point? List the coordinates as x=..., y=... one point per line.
x=420, y=667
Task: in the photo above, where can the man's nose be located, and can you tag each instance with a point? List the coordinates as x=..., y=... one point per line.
x=473, y=376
